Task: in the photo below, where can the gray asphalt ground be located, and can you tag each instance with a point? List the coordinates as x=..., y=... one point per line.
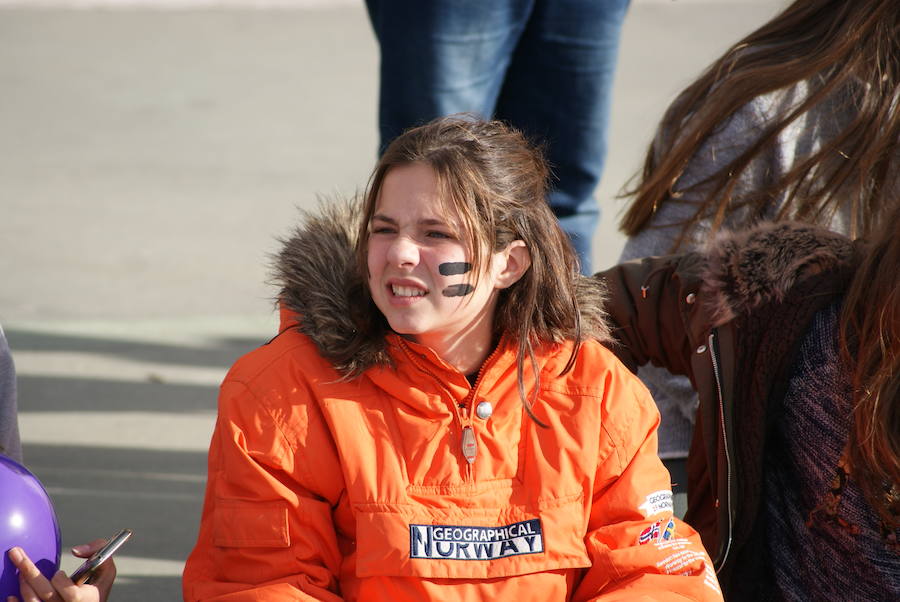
x=150, y=157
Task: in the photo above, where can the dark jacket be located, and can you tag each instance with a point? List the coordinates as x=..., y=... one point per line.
x=730, y=318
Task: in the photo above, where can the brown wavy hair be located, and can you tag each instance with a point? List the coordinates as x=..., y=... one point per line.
x=497, y=181
x=870, y=341
x=840, y=49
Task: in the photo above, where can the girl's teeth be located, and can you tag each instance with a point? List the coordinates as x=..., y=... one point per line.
x=407, y=291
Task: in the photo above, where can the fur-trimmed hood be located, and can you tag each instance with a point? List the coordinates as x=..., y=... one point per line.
x=747, y=268
x=318, y=281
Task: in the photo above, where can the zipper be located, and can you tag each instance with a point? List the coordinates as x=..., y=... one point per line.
x=466, y=404
x=713, y=354
x=468, y=444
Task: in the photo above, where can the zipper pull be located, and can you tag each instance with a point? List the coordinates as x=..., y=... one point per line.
x=469, y=446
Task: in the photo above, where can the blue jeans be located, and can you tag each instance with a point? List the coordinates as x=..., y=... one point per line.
x=544, y=66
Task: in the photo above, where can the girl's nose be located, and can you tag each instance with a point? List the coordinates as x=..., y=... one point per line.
x=403, y=252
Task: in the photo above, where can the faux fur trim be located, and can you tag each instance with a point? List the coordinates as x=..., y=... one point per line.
x=315, y=271
x=748, y=268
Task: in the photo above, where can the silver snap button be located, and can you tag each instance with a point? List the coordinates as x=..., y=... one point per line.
x=690, y=298
x=701, y=349
x=484, y=410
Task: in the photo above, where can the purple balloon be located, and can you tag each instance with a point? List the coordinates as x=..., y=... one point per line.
x=27, y=520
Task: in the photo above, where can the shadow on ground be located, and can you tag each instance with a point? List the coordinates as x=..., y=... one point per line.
x=220, y=352
x=154, y=485
x=56, y=394
x=116, y=487
x=158, y=494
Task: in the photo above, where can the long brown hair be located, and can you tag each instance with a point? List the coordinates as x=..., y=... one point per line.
x=497, y=182
x=870, y=341
x=840, y=49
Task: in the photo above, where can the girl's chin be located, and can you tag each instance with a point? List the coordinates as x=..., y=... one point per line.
x=410, y=332
x=406, y=330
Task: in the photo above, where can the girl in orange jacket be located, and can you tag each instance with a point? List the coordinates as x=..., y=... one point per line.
x=438, y=418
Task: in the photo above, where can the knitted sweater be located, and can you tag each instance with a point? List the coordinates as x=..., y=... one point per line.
x=816, y=516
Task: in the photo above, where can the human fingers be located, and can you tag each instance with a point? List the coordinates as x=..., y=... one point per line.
x=26, y=592
x=33, y=586
x=29, y=594
x=86, y=550
x=70, y=592
x=103, y=576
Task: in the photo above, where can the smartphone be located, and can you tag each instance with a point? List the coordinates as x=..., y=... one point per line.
x=85, y=572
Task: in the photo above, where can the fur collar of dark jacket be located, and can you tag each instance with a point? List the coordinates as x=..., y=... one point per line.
x=750, y=267
x=317, y=277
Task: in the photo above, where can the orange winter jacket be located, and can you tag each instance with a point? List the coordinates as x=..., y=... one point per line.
x=323, y=487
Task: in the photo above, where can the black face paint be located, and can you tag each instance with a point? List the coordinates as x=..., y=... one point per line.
x=458, y=290
x=454, y=268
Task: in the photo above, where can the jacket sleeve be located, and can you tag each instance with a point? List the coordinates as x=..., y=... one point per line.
x=638, y=548
x=267, y=530
x=653, y=306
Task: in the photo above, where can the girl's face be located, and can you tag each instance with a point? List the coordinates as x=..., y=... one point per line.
x=420, y=273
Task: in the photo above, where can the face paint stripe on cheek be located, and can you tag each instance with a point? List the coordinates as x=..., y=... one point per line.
x=454, y=268
x=458, y=290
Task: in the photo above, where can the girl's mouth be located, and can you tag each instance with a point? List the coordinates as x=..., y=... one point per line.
x=407, y=291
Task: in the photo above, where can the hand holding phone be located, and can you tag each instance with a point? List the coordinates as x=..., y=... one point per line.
x=85, y=572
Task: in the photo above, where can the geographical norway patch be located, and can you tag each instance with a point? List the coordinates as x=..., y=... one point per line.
x=656, y=532
x=457, y=542
x=657, y=503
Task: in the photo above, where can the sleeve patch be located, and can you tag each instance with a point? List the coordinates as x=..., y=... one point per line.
x=657, y=532
x=658, y=502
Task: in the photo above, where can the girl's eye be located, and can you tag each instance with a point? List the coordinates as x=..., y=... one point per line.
x=439, y=234
x=382, y=230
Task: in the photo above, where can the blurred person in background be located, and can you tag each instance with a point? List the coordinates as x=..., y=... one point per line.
x=799, y=120
x=545, y=67
x=10, y=445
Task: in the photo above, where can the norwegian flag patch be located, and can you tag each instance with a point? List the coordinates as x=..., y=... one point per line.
x=656, y=532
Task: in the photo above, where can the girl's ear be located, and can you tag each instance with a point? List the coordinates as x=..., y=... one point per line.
x=512, y=263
